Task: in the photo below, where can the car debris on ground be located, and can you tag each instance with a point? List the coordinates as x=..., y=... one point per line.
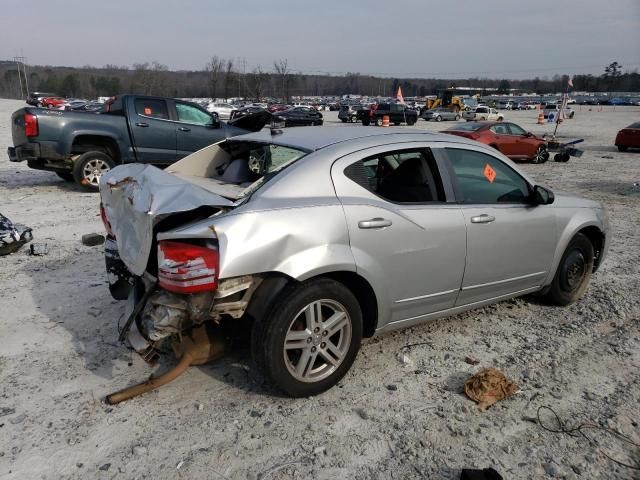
x=489, y=386
x=12, y=236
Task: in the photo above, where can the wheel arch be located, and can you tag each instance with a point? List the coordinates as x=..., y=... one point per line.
x=597, y=239
x=273, y=284
x=83, y=143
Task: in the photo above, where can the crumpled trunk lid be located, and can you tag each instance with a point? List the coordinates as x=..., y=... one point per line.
x=136, y=197
x=253, y=122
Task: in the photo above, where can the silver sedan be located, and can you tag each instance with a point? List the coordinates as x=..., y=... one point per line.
x=316, y=238
x=440, y=113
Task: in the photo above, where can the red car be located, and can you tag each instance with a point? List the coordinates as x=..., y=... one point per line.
x=52, y=102
x=628, y=137
x=506, y=137
x=277, y=107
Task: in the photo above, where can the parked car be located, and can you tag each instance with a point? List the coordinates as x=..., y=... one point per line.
x=628, y=137
x=278, y=107
x=223, y=110
x=440, y=113
x=397, y=113
x=554, y=108
x=506, y=137
x=341, y=233
x=35, y=98
x=482, y=113
x=249, y=110
x=300, y=116
x=52, y=102
x=131, y=128
x=349, y=113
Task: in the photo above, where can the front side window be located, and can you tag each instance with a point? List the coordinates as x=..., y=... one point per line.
x=152, y=108
x=482, y=178
x=191, y=114
x=401, y=176
x=500, y=129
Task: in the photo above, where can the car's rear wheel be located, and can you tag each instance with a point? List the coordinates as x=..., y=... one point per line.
x=438, y=118
x=622, y=148
x=574, y=272
x=307, y=343
x=457, y=117
x=89, y=167
x=541, y=155
x=366, y=122
x=344, y=120
x=411, y=121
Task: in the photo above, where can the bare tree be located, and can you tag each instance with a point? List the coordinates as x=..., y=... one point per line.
x=228, y=78
x=214, y=67
x=284, y=77
x=257, y=82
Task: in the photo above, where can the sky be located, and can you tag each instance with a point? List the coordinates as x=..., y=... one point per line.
x=400, y=38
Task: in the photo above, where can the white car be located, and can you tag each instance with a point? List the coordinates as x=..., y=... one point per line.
x=222, y=109
x=483, y=113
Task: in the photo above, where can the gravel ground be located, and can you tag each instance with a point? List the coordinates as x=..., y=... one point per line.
x=59, y=357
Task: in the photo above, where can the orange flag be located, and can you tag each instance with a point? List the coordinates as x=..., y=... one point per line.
x=399, y=96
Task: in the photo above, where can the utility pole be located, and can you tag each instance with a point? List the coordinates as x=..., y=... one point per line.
x=18, y=60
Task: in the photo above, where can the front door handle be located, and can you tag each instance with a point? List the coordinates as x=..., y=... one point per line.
x=374, y=223
x=484, y=218
x=184, y=129
x=141, y=124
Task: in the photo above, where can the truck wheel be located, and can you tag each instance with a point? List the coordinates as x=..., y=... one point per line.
x=622, y=148
x=344, y=120
x=66, y=176
x=307, y=343
x=574, y=272
x=89, y=167
x=366, y=122
x=411, y=121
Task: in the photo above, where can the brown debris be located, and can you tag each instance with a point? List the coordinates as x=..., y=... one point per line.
x=471, y=361
x=489, y=386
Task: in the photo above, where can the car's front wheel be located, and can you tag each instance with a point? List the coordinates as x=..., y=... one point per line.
x=622, y=148
x=307, y=343
x=89, y=167
x=574, y=272
x=541, y=155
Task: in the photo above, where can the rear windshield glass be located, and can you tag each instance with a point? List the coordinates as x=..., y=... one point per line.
x=466, y=127
x=257, y=163
x=482, y=110
x=634, y=125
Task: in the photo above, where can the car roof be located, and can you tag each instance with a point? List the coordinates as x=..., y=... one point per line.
x=316, y=138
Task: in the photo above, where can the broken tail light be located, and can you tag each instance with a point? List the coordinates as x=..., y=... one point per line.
x=30, y=125
x=186, y=268
x=106, y=222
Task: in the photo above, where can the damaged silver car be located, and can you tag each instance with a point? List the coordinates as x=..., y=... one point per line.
x=319, y=237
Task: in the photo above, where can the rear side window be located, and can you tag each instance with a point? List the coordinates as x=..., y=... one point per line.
x=152, y=108
x=482, y=110
x=401, y=176
x=481, y=178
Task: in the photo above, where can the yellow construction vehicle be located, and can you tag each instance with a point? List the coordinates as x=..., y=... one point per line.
x=447, y=99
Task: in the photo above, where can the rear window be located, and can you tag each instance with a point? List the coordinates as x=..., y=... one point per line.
x=466, y=127
x=634, y=125
x=482, y=110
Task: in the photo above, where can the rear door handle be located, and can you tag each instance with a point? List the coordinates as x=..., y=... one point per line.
x=484, y=218
x=184, y=129
x=141, y=124
x=374, y=223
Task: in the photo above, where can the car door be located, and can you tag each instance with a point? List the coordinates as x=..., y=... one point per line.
x=525, y=146
x=154, y=134
x=195, y=129
x=407, y=236
x=510, y=241
x=502, y=139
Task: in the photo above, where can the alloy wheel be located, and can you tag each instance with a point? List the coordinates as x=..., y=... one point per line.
x=317, y=340
x=93, y=170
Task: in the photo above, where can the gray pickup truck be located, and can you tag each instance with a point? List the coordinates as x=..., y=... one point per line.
x=80, y=146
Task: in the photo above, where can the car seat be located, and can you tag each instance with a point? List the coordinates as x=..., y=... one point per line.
x=410, y=182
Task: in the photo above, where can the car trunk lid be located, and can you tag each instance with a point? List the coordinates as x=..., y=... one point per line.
x=137, y=197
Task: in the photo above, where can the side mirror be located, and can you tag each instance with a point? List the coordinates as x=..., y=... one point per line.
x=528, y=134
x=542, y=196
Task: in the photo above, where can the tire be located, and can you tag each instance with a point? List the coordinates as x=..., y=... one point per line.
x=457, y=117
x=366, y=122
x=411, y=122
x=438, y=118
x=574, y=272
x=541, y=155
x=89, y=167
x=565, y=158
x=344, y=120
x=622, y=148
x=572, y=114
x=557, y=157
x=66, y=176
x=500, y=119
x=290, y=318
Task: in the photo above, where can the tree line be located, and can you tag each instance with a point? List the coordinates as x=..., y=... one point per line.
x=223, y=78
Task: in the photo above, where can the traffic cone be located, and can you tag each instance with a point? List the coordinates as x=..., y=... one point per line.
x=385, y=121
x=540, y=118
